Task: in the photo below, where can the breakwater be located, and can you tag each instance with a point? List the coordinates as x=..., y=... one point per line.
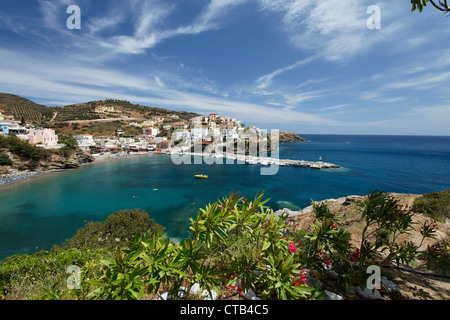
x=264, y=161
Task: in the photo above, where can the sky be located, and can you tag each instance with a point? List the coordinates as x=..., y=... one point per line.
x=306, y=66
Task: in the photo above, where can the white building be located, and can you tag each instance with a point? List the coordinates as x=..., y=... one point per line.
x=85, y=141
x=149, y=133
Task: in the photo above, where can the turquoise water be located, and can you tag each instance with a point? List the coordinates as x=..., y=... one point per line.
x=38, y=214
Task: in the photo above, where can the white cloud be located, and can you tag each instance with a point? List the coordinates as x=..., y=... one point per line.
x=335, y=30
x=27, y=76
x=338, y=107
x=265, y=81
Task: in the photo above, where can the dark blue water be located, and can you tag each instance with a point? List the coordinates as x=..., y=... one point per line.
x=48, y=210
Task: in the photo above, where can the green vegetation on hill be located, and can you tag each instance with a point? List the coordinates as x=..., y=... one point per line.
x=24, y=108
x=87, y=117
x=435, y=205
x=24, y=150
x=122, y=109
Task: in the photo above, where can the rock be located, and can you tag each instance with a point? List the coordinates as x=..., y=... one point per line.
x=332, y=295
x=390, y=286
x=165, y=295
x=195, y=290
x=333, y=274
x=207, y=296
x=368, y=293
x=311, y=282
x=288, y=137
x=249, y=294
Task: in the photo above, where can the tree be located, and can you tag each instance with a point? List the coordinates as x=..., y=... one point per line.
x=419, y=4
x=114, y=231
x=69, y=141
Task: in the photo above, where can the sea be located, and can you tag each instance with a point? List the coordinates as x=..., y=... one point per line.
x=43, y=212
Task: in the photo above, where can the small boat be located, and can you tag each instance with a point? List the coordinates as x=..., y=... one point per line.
x=201, y=176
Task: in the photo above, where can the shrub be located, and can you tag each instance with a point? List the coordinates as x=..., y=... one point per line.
x=66, y=151
x=24, y=149
x=435, y=205
x=115, y=231
x=5, y=160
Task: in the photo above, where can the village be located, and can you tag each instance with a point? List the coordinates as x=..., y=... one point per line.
x=205, y=136
x=158, y=134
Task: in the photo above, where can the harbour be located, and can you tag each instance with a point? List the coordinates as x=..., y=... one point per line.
x=263, y=161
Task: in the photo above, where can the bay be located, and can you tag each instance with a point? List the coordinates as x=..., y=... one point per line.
x=46, y=211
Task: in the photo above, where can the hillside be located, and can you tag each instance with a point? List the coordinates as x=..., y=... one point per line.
x=102, y=117
x=21, y=107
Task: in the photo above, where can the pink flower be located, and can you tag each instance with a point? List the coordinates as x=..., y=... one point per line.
x=292, y=248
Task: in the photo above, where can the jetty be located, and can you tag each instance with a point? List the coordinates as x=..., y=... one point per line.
x=263, y=161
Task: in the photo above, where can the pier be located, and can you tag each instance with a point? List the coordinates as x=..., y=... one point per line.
x=264, y=161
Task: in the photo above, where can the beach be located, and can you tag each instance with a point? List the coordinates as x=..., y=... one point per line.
x=14, y=176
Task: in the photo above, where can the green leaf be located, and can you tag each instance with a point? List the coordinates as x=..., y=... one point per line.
x=266, y=245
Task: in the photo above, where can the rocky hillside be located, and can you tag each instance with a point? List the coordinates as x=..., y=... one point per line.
x=102, y=117
x=288, y=137
x=54, y=162
x=414, y=282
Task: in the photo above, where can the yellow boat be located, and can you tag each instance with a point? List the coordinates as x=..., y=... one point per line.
x=201, y=176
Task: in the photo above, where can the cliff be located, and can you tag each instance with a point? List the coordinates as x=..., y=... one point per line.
x=59, y=162
x=53, y=162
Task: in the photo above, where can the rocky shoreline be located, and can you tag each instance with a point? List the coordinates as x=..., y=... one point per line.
x=287, y=137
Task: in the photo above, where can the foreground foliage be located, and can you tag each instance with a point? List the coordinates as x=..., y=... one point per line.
x=240, y=245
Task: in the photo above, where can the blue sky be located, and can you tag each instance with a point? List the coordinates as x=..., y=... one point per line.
x=299, y=65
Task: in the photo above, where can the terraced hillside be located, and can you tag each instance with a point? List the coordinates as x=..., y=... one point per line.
x=102, y=117
x=21, y=107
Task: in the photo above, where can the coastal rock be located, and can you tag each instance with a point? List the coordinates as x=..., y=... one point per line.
x=332, y=295
x=287, y=137
x=58, y=162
